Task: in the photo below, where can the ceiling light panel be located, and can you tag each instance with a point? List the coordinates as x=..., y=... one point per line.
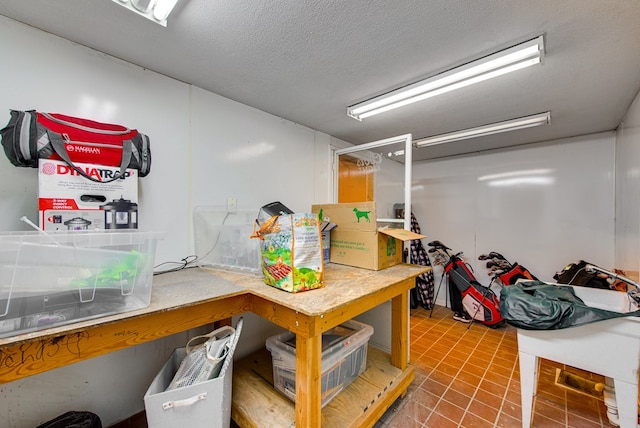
x=155, y=10
x=508, y=60
x=484, y=130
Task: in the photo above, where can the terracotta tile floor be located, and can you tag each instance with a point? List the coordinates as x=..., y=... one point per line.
x=469, y=377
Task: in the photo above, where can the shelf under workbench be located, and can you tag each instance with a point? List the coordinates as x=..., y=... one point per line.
x=256, y=403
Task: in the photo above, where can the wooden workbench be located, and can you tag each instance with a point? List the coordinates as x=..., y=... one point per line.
x=195, y=297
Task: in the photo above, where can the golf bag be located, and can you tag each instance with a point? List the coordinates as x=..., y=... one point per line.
x=467, y=295
x=423, y=292
x=516, y=272
x=589, y=275
x=576, y=274
x=479, y=302
x=502, y=270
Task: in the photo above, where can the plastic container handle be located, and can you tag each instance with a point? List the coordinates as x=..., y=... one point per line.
x=6, y=306
x=184, y=403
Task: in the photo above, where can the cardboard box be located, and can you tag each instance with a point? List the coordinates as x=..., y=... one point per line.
x=325, y=231
x=69, y=201
x=349, y=216
x=357, y=241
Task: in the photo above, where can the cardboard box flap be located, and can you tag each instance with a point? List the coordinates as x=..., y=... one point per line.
x=326, y=226
x=401, y=234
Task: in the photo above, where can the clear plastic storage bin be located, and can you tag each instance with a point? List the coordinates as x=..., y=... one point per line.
x=62, y=277
x=344, y=358
x=223, y=239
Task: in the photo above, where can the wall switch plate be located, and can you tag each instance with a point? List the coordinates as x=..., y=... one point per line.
x=232, y=205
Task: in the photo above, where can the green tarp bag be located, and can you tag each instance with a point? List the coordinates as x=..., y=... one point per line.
x=535, y=305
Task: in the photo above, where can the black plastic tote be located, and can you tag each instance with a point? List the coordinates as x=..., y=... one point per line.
x=74, y=420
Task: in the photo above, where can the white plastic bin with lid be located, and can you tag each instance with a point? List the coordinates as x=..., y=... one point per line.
x=344, y=358
x=58, y=278
x=204, y=404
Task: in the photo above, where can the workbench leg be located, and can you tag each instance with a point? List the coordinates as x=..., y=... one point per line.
x=528, y=385
x=308, y=381
x=400, y=330
x=627, y=401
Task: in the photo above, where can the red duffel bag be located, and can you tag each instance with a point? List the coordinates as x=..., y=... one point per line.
x=32, y=135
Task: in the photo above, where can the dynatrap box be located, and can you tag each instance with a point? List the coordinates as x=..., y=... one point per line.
x=357, y=241
x=69, y=201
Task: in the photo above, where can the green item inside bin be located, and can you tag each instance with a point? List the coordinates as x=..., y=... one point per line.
x=115, y=275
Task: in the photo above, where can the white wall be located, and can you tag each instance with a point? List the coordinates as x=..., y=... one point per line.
x=542, y=205
x=627, y=229
x=205, y=148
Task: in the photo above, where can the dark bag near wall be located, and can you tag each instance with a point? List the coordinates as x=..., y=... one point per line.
x=535, y=305
x=576, y=274
x=74, y=420
x=32, y=135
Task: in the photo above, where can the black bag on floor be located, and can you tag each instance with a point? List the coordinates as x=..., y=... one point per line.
x=74, y=420
x=455, y=298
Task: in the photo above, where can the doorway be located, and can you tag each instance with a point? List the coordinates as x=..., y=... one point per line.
x=363, y=173
x=355, y=183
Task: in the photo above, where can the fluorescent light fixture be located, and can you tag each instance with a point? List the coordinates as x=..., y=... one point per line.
x=484, y=130
x=497, y=64
x=156, y=10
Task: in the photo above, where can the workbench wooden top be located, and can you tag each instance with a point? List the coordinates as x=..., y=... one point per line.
x=187, y=287
x=343, y=285
x=170, y=291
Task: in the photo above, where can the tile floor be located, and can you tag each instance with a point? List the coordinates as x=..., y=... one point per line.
x=468, y=377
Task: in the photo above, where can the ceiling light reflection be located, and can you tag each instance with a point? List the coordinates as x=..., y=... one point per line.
x=252, y=151
x=535, y=177
x=104, y=110
x=520, y=181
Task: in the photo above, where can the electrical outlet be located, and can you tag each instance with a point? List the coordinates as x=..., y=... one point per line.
x=231, y=204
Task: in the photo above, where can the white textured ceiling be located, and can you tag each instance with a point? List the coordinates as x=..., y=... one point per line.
x=306, y=61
